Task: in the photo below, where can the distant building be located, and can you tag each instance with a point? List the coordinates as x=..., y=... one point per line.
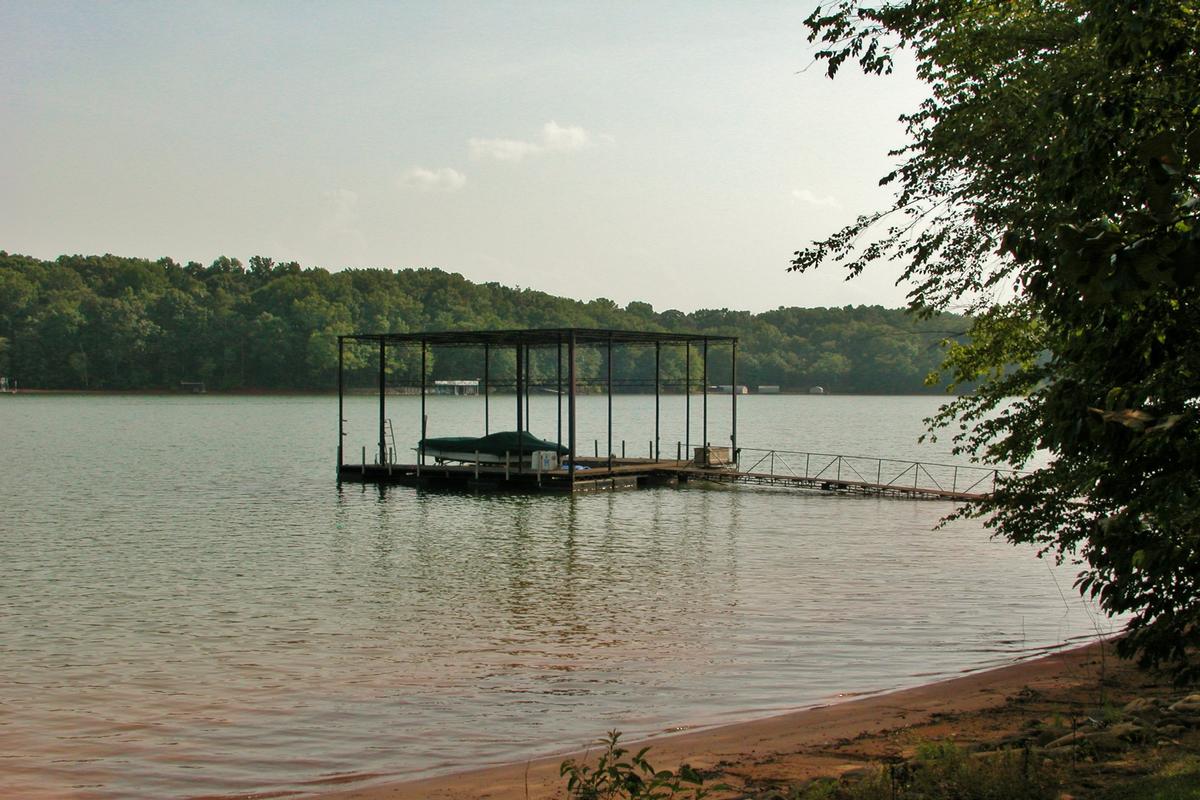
x=768, y=389
x=817, y=390
x=729, y=389
x=456, y=387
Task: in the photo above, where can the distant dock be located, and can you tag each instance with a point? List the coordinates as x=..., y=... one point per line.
x=815, y=472
x=545, y=360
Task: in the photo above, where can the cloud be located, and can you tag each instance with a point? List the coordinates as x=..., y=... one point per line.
x=557, y=137
x=444, y=179
x=554, y=138
x=806, y=196
x=502, y=149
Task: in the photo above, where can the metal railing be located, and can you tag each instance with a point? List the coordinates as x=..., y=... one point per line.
x=871, y=470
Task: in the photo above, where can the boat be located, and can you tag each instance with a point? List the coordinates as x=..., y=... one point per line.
x=498, y=448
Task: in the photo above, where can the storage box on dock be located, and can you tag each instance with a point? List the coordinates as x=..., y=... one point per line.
x=712, y=457
x=544, y=460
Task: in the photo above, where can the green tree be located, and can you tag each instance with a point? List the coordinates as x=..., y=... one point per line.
x=1050, y=186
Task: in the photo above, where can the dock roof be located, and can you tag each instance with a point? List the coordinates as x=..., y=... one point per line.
x=537, y=336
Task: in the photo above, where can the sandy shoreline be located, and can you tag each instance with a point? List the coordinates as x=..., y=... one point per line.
x=802, y=743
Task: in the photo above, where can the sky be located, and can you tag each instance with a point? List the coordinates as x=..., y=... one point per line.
x=671, y=153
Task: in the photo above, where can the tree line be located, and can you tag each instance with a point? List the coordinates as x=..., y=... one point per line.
x=113, y=323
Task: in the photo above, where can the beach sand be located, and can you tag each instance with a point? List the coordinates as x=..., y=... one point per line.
x=823, y=741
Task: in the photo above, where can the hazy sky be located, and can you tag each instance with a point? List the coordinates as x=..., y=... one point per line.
x=676, y=153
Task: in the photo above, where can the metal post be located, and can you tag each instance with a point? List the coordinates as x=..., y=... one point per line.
x=704, y=379
x=487, y=361
x=424, y=418
x=520, y=409
x=609, y=366
x=341, y=411
x=657, y=361
x=558, y=391
x=571, y=405
x=687, y=403
x=733, y=378
x=382, y=410
x=528, y=380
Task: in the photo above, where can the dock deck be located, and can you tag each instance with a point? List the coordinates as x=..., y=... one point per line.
x=643, y=473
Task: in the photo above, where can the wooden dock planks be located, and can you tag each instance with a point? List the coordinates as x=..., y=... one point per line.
x=624, y=474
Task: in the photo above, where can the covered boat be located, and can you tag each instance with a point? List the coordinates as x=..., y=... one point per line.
x=492, y=449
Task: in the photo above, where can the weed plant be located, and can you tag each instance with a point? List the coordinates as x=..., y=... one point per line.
x=621, y=776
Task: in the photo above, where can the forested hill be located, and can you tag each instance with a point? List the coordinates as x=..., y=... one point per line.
x=106, y=322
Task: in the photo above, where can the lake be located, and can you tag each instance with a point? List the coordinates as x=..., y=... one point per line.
x=192, y=605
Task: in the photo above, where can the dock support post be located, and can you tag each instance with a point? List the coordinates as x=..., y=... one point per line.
x=382, y=409
x=609, y=381
x=528, y=380
x=558, y=391
x=704, y=388
x=487, y=361
x=571, y=405
x=657, y=362
x=520, y=407
x=687, y=402
x=424, y=418
x=733, y=380
x=341, y=410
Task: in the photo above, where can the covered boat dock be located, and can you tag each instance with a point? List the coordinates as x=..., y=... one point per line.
x=515, y=460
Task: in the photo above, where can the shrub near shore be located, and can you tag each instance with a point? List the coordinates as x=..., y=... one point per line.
x=1118, y=734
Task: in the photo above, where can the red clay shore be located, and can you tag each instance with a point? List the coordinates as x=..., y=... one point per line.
x=823, y=741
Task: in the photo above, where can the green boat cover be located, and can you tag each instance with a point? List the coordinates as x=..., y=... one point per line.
x=497, y=444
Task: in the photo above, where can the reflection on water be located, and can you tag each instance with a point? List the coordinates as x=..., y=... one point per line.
x=191, y=605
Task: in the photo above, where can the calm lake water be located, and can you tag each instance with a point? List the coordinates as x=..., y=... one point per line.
x=191, y=605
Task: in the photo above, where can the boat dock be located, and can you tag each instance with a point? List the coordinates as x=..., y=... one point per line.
x=792, y=470
x=513, y=459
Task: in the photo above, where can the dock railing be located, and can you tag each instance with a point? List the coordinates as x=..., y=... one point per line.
x=876, y=471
